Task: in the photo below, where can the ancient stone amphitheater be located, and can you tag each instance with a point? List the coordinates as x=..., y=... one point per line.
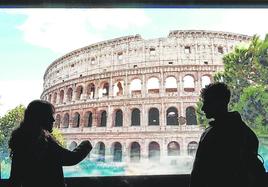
x=135, y=98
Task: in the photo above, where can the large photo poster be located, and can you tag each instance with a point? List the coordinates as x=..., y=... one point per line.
x=129, y=81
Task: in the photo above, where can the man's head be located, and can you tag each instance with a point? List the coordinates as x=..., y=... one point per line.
x=216, y=97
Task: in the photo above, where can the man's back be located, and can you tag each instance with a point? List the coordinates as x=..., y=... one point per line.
x=218, y=158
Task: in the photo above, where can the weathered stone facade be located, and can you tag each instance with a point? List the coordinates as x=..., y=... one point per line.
x=128, y=91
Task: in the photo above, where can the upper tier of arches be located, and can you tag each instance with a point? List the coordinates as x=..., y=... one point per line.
x=136, y=88
x=131, y=52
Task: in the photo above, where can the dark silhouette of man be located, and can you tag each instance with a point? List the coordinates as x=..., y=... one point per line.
x=218, y=161
x=37, y=158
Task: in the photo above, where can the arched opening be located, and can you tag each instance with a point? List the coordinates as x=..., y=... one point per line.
x=188, y=83
x=76, y=120
x=66, y=120
x=171, y=84
x=72, y=146
x=55, y=98
x=69, y=94
x=91, y=91
x=191, y=116
x=118, y=122
x=104, y=91
x=205, y=80
x=100, y=147
x=192, y=148
x=103, y=121
x=79, y=91
x=153, y=85
x=119, y=88
x=135, y=152
x=88, y=119
x=61, y=96
x=172, y=116
x=154, y=151
x=117, y=152
x=173, y=149
x=135, y=117
x=135, y=87
x=153, y=116
x=57, y=121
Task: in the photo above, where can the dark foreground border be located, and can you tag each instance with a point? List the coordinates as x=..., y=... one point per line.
x=126, y=181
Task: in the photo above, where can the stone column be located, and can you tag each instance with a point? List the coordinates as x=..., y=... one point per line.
x=111, y=88
x=97, y=87
x=144, y=116
x=126, y=116
x=126, y=87
x=162, y=90
x=109, y=117
x=180, y=86
x=143, y=86
x=162, y=116
x=95, y=116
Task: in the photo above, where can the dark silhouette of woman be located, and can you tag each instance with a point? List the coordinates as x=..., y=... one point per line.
x=37, y=158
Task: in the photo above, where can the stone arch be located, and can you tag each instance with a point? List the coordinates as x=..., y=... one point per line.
x=117, y=152
x=118, y=88
x=135, y=117
x=104, y=89
x=76, y=119
x=55, y=98
x=61, y=96
x=69, y=94
x=57, y=121
x=171, y=84
x=118, y=118
x=135, y=152
x=154, y=151
x=100, y=149
x=103, y=119
x=172, y=116
x=88, y=119
x=153, y=116
x=173, y=148
x=205, y=80
x=91, y=91
x=188, y=83
x=135, y=86
x=153, y=85
x=66, y=120
x=192, y=148
x=72, y=146
x=79, y=92
x=191, y=116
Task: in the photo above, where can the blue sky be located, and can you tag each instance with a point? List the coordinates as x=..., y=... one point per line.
x=31, y=39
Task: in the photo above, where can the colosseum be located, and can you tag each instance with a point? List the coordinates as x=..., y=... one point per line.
x=135, y=99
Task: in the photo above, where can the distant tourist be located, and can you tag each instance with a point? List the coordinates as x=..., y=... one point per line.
x=37, y=158
x=227, y=151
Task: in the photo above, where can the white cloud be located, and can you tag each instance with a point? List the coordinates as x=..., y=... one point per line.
x=243, y=21
x=15, y=92
x=63, y=30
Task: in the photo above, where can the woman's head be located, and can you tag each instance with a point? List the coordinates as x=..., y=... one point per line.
x=39, y=115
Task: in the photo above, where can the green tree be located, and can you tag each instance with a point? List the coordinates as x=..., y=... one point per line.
x=201, y=118
x=58, y=136
x=246, y=65
x=246, y=74
x=8, y=123
x=253, y=106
